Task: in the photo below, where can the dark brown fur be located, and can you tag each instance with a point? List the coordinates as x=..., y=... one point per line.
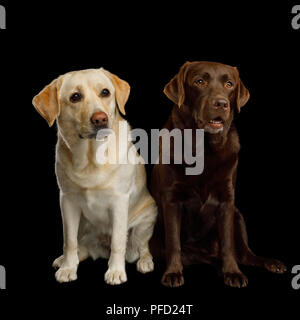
x=198, y=221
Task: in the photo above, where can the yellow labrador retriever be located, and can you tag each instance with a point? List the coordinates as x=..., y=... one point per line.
x=102, y=205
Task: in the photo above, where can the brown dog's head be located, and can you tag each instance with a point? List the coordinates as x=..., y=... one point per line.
x=210, y=92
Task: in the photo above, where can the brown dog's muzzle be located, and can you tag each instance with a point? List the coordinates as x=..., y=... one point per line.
x=217, y=112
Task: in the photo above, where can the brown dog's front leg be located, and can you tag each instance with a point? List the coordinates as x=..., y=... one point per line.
x=172, y=220
x=232, y=274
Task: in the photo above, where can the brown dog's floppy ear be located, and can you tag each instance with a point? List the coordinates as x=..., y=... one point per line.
x=243, y=94
x=174, y=90
x=46, y=103
x=122, y=90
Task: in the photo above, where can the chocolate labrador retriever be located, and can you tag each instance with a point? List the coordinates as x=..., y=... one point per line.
x=198, y=220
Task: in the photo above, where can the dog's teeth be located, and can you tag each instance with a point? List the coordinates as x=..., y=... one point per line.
x=215, y=121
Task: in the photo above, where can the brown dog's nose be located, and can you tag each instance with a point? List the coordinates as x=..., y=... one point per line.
x=99, y=119
x=220, y=103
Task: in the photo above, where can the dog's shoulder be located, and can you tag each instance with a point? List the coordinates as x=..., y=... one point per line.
x=233, y=141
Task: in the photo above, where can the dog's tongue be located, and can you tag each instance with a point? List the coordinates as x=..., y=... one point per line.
x=216, y=125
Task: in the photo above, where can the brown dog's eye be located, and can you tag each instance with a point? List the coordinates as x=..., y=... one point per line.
x=105, y=93
x=228, y=84
x=201, y=82
x=75, y=97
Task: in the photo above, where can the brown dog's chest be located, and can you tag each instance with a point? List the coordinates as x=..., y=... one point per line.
x=202, y=195
x=217, y=169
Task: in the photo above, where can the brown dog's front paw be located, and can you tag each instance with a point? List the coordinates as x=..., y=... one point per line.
x=275, y=266
x=235, y=279
x=172, y=279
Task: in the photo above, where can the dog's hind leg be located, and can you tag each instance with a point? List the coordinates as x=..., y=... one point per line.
x=138, y=243
x=132, y=252
x=245, y=254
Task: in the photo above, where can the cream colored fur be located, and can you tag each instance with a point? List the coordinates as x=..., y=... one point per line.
x=106, y=209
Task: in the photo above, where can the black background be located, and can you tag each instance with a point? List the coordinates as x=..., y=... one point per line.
x=146, y=44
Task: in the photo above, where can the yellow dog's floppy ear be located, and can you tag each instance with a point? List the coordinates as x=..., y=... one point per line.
x=174, y=90
x=122, y=90
x=243, y=94
x=46, y=102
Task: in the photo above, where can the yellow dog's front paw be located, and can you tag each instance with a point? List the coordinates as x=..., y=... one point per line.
x=64, y=274
x=115, y=277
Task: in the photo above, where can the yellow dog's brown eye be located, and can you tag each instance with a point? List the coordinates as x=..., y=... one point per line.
x=228, y=84
x=75, y=97
x=105, y=93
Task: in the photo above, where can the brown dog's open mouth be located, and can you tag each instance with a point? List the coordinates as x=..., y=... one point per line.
x=216, y=123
